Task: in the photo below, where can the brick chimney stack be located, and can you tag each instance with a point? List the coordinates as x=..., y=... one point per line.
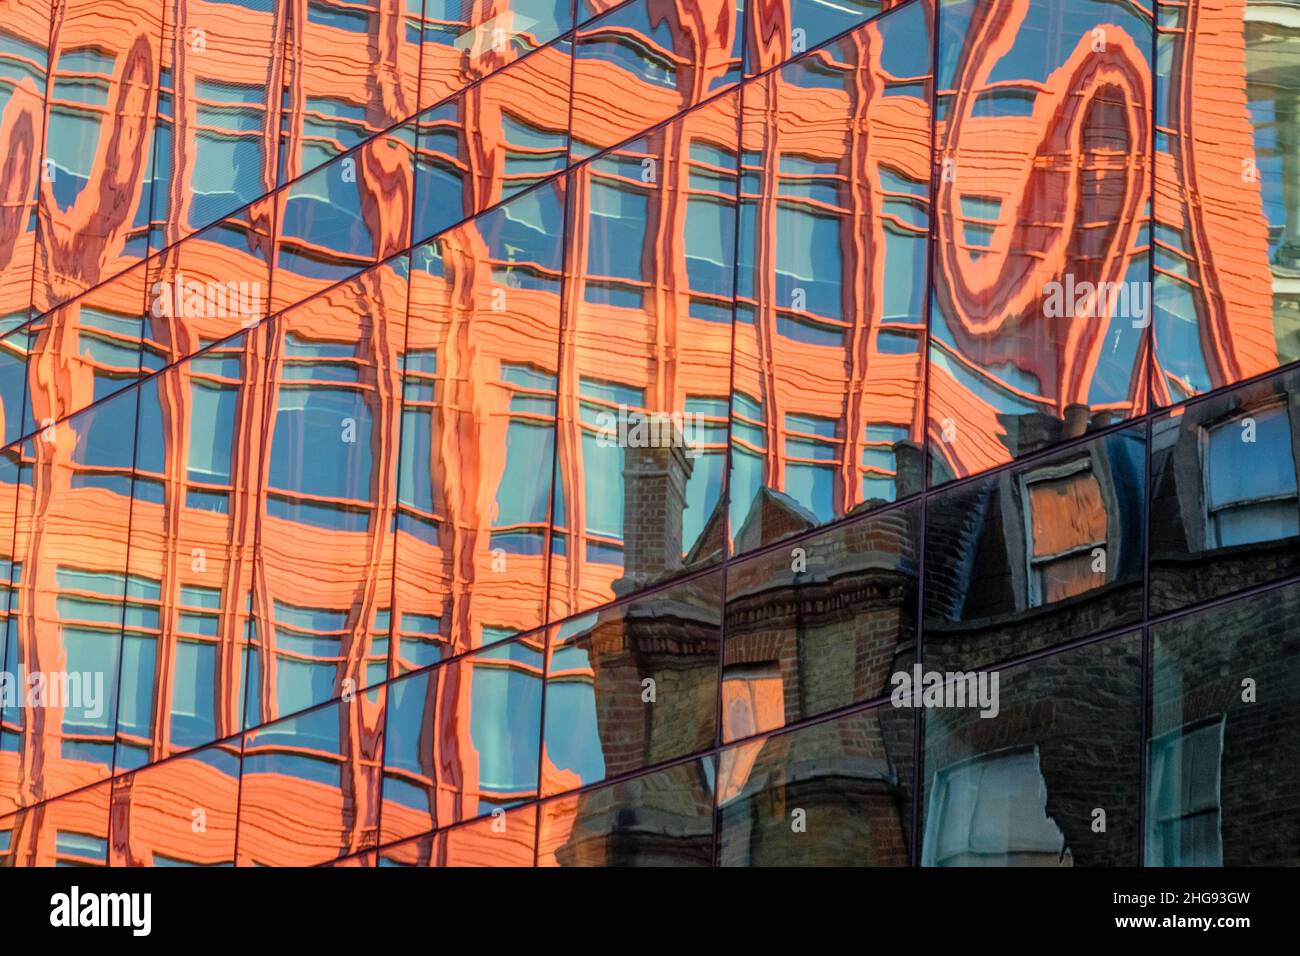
x=654, y=501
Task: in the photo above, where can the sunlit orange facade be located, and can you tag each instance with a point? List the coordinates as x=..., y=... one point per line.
x=316, y=315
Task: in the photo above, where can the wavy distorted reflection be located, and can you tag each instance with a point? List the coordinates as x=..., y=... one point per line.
x=322, y=581
x=93, y=213
x=324, y=762
x=462, y=740
x=1042, y=156
x=492, y=141
x=478, y=421
x=1227, y=228
x=641, y=63
x=24, y=69
x=825, y=405
x=461, y=330
x=641, y=443
x=69, y=596
x=187, y=630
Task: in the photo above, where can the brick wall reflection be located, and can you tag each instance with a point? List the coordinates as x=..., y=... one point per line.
x=242, y=502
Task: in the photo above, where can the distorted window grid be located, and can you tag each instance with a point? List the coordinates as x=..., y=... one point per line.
x=811, y=438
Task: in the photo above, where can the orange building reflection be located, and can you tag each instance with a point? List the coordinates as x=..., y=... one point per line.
x=302, y=387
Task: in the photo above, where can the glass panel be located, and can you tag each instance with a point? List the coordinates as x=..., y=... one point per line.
x=1227, y=268
x=350, y=69
x=324, y=763
x=465, y=41
x=663, y=818
x=11, y=474
x=834, y=794
x=24, y=65
x=1035, y=765
x=478, y=423
x=1041, y=292
x=1222, y=789
x=826, y=405
x=179, y=813
x=218, y=112
x=506, y=838
x=344, y=217
x=642, y=438
x=492, y=141
x=641, y=64
x=190, y=564
x=86, y=350
x=96, y=181
x=70, y=831
x=208, y=287
x=819, y=626
x=1064, y=533
x=325, y=551
x=71, y=595
x=632, y=685
x=777, y=32
x=463, y=739
x=1225, y=513
x=15, y=410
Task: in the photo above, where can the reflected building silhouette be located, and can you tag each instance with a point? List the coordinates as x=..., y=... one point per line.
x=316, y=317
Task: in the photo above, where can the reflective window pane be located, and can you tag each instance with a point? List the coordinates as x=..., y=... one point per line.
x=837, y=793
x=186, y=641
x=324, y=763
x=210, y=286
x=87, y=349
x=70, y=594
x=478, y=431
x=344, y=217
x=826, y=397
x=349, y=70
x=777, y=32
x=1222, y=787
x=218, y=112
x=70, y=831
x=24, y=67
x=631, y=686
x=492, y=141
x=1225, y=513
x=1050, y=776
x=96, y=179
x=821, y=625
x=1037, y=555
x=640, y=64
x=504, y=839
x=1227, y=231
x=1041, y=293
x=664, y=818
x=465, y=41
x=15, y=411
x=643, y=400
x=462, y=739
x=324, y=559
x=179, y=813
